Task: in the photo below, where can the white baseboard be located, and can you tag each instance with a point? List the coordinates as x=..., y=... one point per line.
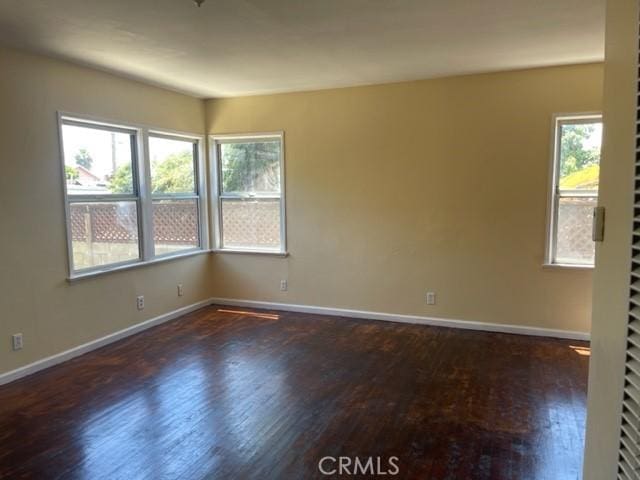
x=100, y=342
x=420, y=320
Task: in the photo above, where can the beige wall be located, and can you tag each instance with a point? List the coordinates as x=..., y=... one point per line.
x=611, y=279
x=397, y=189
x=392, y=190
x=35, y=298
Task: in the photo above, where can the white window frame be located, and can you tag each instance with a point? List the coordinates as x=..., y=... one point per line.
x=215, y=141
x=200, y=189
x=141, y=173
x=554, y=189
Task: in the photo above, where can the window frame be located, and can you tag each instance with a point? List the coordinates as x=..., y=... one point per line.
x=196, y=195
x=215, y=141
x=141, y=173
x=555, y=194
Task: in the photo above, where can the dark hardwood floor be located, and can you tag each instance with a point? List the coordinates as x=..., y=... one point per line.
x=222, y=393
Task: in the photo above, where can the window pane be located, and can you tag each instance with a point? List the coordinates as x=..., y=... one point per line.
x=175, y=225
x=97, y=161
x=103, y=233
x=252, y=167
x=251, y=224
x=580, y=155
x=575, y=218
x=172, y=166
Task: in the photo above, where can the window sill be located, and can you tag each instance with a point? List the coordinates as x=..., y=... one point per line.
x=166, y=258
x=251, y=252
x=570, y=266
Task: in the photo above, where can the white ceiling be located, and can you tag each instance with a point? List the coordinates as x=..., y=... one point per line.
x=243, y=47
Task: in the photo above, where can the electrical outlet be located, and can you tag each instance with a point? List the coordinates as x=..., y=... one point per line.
x=140, y=302
x=431, y=298
x=16, y=341
x=283, y=285
x=180, y=290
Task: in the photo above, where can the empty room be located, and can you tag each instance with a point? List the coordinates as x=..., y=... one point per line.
x=279, y=239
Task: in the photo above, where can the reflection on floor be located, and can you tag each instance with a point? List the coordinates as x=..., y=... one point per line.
x=230, y=393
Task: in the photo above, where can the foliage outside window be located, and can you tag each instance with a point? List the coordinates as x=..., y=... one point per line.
x=114, y=218
x=576, y=170
x=250, y=193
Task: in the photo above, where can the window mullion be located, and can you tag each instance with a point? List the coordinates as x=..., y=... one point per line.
x=554, y=227
x=577, y=193
x=144, y=190
x=201, y=188
x=175, y=196
x=215, y=189
x=101, y=198
x=233, y=196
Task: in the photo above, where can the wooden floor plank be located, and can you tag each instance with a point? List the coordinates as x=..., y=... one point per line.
x=229, y=393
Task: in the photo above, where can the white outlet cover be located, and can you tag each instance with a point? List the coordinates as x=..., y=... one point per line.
x=16, y=341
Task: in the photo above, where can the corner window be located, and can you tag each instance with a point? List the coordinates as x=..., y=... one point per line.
x=574, y=192
x=250, y=193
x=132, y=196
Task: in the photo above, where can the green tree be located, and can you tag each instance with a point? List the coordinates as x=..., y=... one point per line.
x=246, y=167
x=71, y=173
x=574, y=155
x=122, y=179
x=250, y=166
x=83, y=158
x=174, y=174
